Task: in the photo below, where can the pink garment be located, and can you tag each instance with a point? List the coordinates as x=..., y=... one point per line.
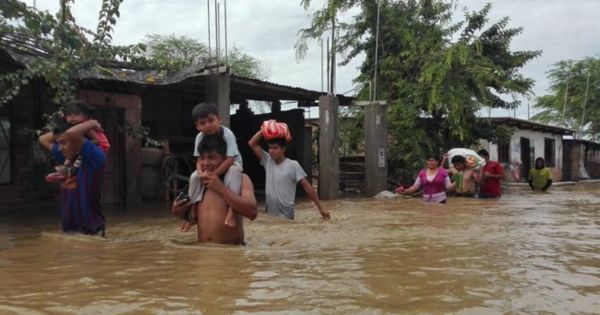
x=434, y=190
x=103, y=142
x=437, y=185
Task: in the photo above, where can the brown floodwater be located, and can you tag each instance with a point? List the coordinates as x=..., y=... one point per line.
x=526, y=253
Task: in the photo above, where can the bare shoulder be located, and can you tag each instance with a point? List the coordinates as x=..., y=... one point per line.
x=247, y=182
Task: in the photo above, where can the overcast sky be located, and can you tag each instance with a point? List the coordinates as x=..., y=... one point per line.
x=266, y=29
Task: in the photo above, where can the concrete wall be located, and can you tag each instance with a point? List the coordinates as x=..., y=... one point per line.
x=536, y=139
x=329, y=153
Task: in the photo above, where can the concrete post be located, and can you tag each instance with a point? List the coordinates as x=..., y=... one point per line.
x=329, y=154
x=276, y=107
x=218, y=87
x=375, y=147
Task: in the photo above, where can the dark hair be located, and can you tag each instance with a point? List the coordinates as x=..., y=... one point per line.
x=540, y=159
x=60, y=126
x=210, y=143
x=432, y=156
x=458, y=159
x=278, y=141
x=203, y=110
x=483, y=152
x=77, y=107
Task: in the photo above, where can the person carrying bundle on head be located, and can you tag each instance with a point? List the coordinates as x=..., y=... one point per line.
x=282, y=174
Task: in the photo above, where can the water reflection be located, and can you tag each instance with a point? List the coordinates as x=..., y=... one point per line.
x=522, y=254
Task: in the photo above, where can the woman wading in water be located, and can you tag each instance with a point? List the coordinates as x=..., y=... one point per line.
x=434, y=180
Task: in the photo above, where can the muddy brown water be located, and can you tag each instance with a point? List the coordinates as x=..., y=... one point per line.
x=526, y=253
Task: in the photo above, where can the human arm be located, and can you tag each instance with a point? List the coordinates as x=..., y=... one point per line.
x=180, y=206
x=90, y=129
x=449, y=184
x=46, y=140
x=530, y=179
x=254, y=144
x=444, y=160
x=548, y=183
x=497, y=172
x=245, y=203
x=475, y=176
x=410, y=189
x=198, y=167
x=87, y=127
x=548, y=179
x=224, y=167
x=312, y=194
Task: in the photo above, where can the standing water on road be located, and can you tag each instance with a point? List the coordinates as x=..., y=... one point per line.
x=525, y=253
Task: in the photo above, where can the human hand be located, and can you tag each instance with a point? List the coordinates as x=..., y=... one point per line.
x=180, y=207
x=212, y=181
x=489, y=175
x=324, y=214
x=198, y=168
x=96, y=125
x=400, y=190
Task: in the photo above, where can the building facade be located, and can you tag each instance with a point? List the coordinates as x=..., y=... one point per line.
x=529, y=141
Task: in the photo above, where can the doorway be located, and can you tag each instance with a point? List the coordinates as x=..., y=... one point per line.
x=526, y=157
x=113, y=188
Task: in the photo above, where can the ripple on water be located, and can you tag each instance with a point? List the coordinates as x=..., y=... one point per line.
x=522, y=254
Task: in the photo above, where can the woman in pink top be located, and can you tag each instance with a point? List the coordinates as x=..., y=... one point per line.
x=434, y=180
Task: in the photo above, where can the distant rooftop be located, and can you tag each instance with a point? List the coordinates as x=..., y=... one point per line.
x=530, y=125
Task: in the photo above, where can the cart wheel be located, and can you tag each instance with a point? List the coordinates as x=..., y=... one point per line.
x=173, y=173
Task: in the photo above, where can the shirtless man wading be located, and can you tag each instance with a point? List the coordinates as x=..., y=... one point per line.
x=210, y=213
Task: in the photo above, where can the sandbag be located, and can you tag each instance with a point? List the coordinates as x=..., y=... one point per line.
x=474, y=161
x=271, y=129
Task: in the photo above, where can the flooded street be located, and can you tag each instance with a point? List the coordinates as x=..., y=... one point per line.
x=526, y=253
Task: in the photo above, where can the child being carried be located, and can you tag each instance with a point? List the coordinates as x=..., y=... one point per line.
x=78, y=114
x=208, y=122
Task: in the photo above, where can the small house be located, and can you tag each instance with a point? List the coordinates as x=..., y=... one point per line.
x=529, y=141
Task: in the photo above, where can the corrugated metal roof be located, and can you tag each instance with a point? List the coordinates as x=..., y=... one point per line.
x=115, y=71
x=532, y=125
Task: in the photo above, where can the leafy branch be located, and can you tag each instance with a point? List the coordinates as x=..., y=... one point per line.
x=62, y=49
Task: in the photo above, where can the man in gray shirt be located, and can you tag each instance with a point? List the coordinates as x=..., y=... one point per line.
x=282, y=177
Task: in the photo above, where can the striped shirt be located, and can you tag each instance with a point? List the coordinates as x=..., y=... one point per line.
x=80, y=194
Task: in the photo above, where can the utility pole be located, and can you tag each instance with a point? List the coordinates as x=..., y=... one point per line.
x=565, y=102
x=225, y=16
x=208, y=19
x=587, y=87
x=333, y=51
x=321, y=64
x=376, y=54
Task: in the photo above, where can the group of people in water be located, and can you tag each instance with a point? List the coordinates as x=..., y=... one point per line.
x=462, y=181
x=219, y=193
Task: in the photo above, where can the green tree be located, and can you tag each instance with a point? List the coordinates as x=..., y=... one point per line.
x=574, y=99
x=176, y=52
x=435, y=75
x=65, y=49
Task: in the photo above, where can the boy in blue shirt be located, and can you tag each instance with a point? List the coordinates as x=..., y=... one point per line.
x=79, y=192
